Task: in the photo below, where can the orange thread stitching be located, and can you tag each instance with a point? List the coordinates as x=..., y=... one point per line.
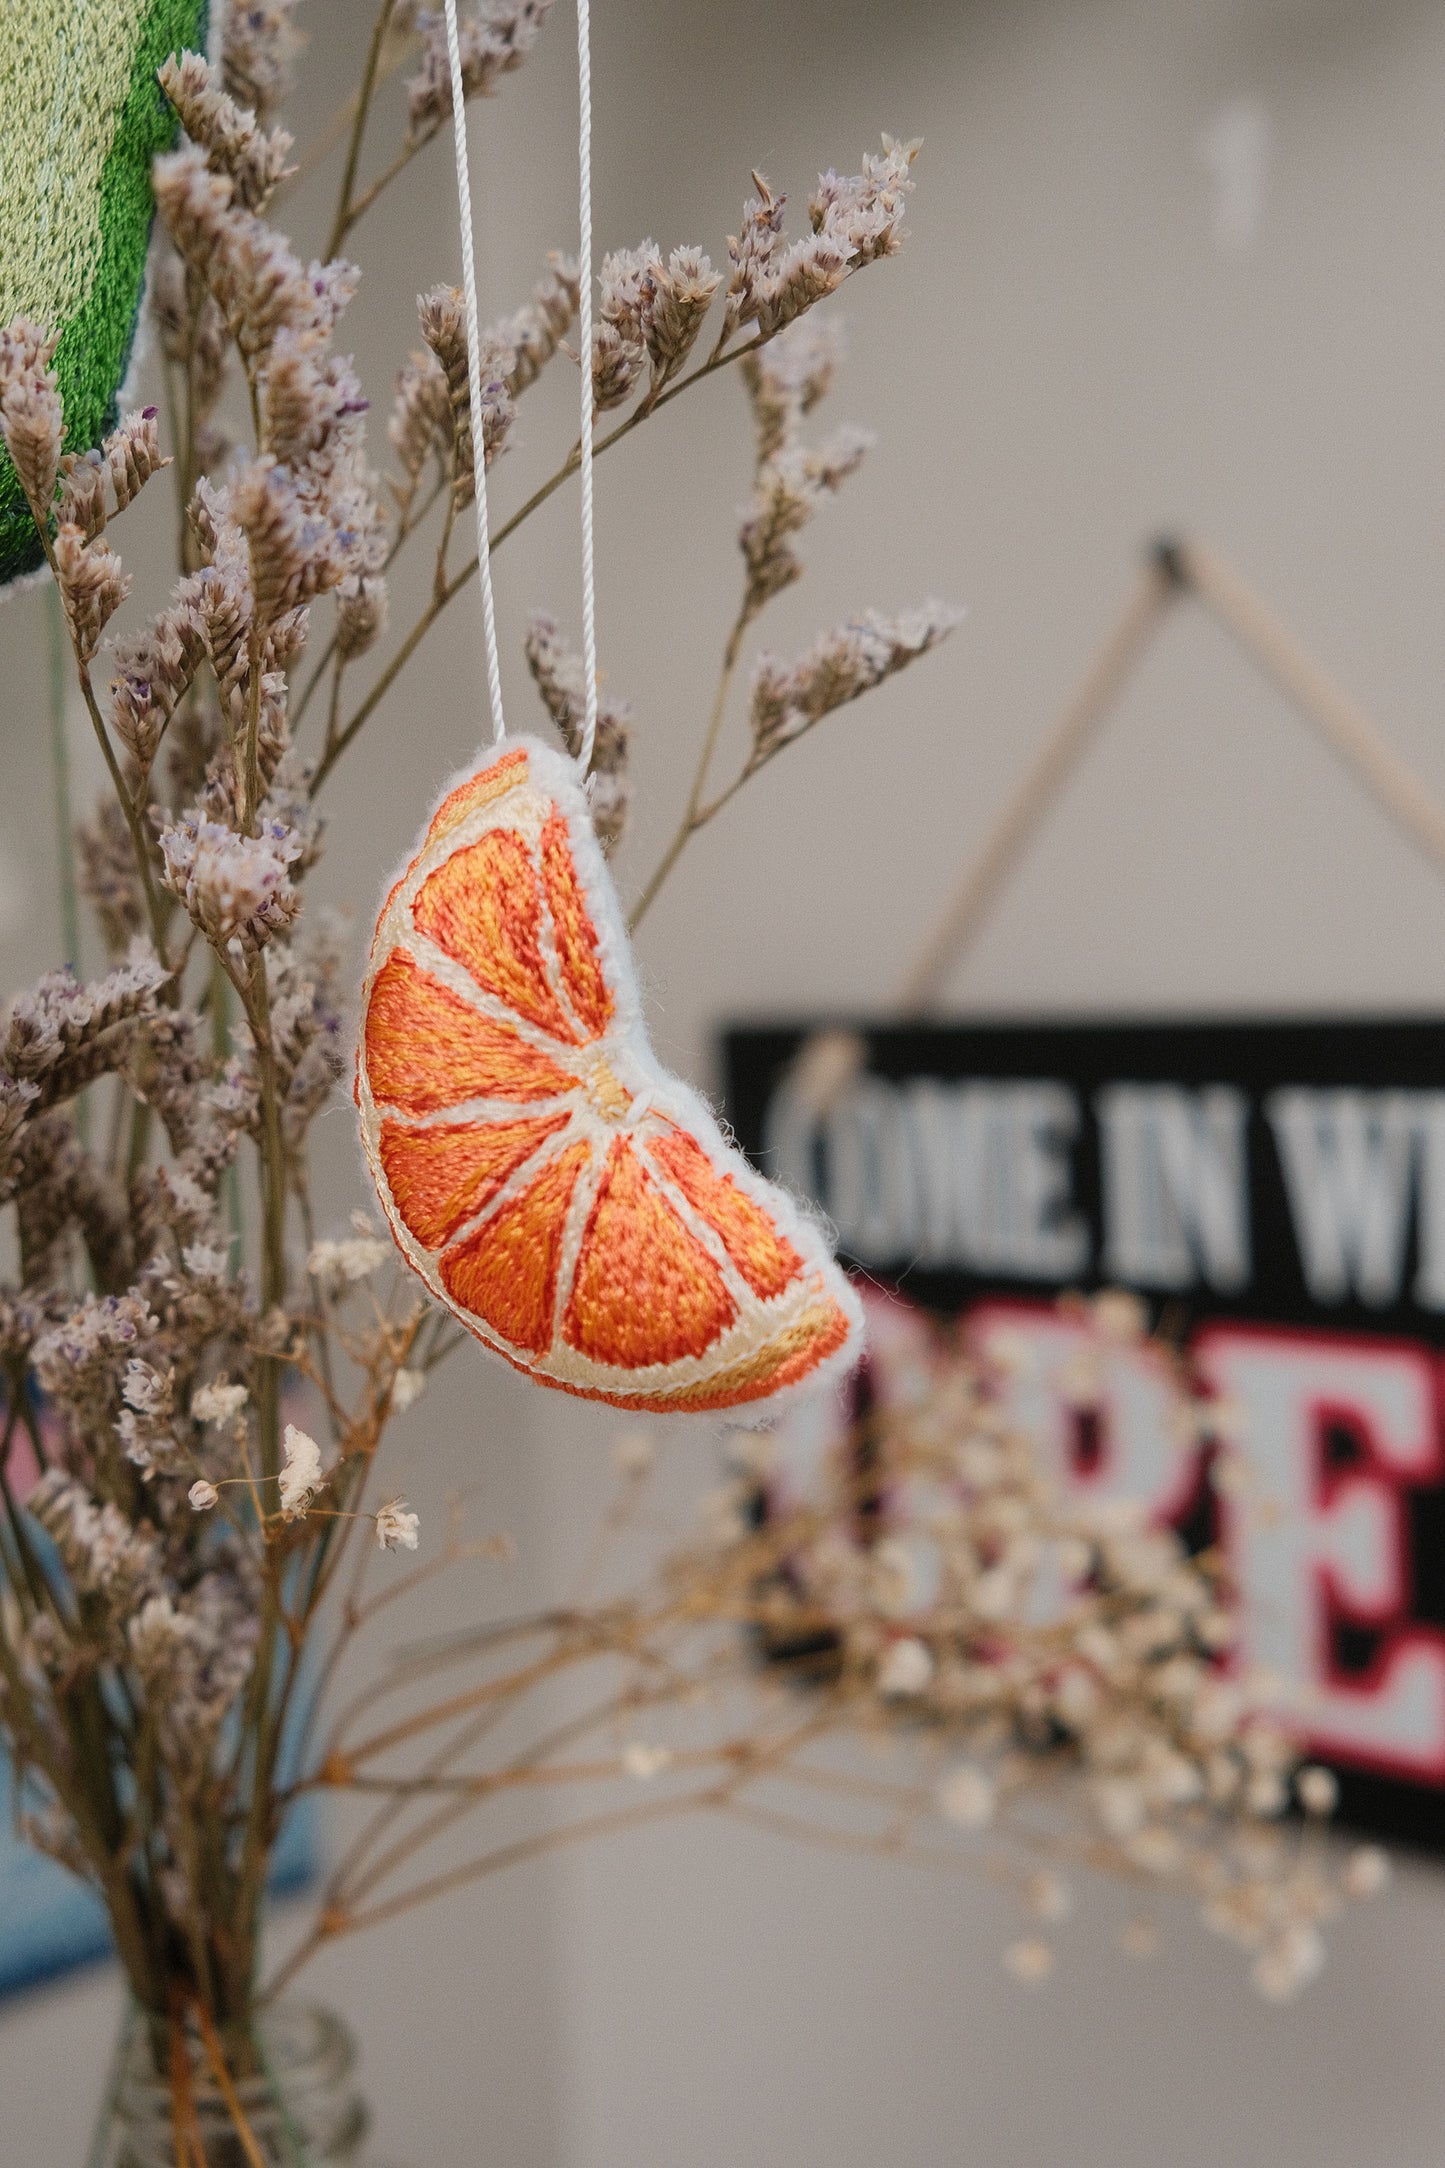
x=482, y=909
x=442, y=1177
x=506, y=1273
x=644, y=1289
x=765, y=1259
x=587, y=989
x=425, y=1049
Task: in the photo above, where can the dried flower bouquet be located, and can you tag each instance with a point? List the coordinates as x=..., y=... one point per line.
x=184, y=1568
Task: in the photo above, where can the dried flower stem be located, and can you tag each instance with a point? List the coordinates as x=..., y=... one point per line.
x=413, y=518
x=215, y=2055
x=346, y=215
x=155, y=909
x=696, y=815
x=60, y=774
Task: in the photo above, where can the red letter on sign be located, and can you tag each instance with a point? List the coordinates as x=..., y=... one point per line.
x=1313, y=1548
x=1140, y=1455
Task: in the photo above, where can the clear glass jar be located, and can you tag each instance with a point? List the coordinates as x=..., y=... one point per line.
x=304, y=2110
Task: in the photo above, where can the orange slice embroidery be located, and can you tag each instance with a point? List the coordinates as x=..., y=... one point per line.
x=645, y=1290
x=506, y=1273
x=482, y=909
x=587, y=989
x=766, y=1260
x=425, y=1049
x=440, y=1178
x=590, y=1224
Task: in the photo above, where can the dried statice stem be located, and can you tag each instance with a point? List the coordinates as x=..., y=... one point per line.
x=789, y=698
x=557, y=672
x=494, y=42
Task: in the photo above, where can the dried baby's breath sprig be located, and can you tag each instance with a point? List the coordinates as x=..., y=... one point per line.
x=557, y=672
x=420, y=427
x=533, y=333
x=93, y=584
x=432, y=412
x=443, y=326
x=617, y=365
x=397, y=1527
x=348, y=1258
x=81, y=502
x=787, y=489
x=788, y=698
x=360, y=614
x=864, y=212
x=618, y=361
x=61, y=1033
x=495, y=39
x=301, y=1476
x=855, y=222
x=786, y=379
x=156, y=667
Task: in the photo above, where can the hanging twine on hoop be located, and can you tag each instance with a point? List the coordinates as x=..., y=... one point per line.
x=1173, y=569
x=474, y=376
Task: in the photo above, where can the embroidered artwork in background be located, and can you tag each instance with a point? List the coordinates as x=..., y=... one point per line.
x=84, y=116
x=570, y=1201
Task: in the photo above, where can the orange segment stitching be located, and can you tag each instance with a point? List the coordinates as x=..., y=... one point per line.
x=577, y=953
x=506, y=1273
x=645, y=1290
x=478, y=790
x=442, y=1177
x=482, y=908
x=766, y=1259
x=425, y=1049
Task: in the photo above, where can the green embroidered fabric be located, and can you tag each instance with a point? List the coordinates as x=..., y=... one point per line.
x=85, y=117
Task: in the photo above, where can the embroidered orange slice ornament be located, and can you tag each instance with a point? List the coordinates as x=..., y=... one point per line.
x=570, y=1201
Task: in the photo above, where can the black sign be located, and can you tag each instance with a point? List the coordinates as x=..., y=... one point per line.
x=1277, y=1192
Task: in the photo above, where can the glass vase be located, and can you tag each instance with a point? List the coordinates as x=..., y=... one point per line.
x=302, y=2109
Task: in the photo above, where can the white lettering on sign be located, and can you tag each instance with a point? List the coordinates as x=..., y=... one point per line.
x=1318, y=1546
x=1175, y=1170
x=973, y=1175
x=976, y=1176
x=1348, y=1159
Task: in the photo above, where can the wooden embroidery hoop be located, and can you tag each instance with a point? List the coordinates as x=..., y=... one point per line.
x=1172, y=571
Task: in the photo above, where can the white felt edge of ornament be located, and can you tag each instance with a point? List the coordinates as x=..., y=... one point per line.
x=804, y=1226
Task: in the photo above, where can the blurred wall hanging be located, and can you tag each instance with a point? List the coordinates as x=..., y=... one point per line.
x=1274, y=1192
x=85, y=116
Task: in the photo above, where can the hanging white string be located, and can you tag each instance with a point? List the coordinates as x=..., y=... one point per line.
x=474, y=373
x=584, y=206
x=474, y=377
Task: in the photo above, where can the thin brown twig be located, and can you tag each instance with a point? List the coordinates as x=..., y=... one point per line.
x=694, y=816
x=216, y=2057
x=344, y=214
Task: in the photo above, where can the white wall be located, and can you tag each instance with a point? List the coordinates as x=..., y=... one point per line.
x=1062, y=363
